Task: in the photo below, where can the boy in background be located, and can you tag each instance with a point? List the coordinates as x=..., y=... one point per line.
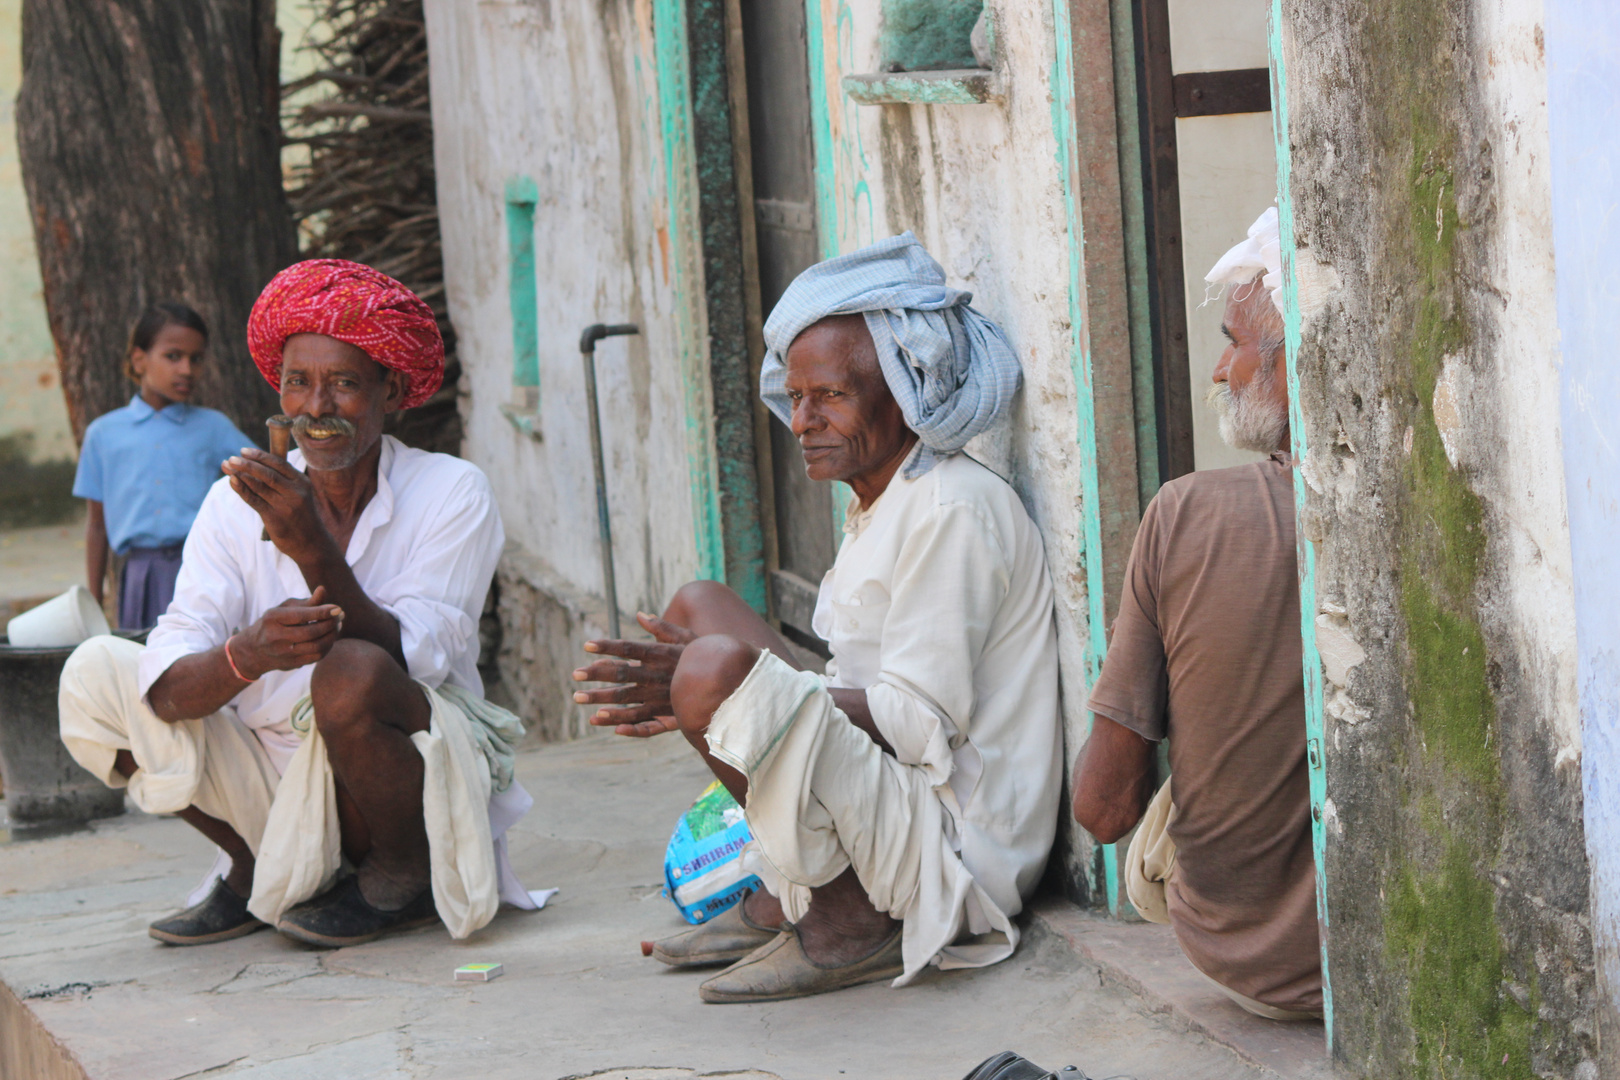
x=145, y=468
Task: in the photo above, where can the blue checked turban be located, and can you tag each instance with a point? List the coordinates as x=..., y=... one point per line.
x=951, y=370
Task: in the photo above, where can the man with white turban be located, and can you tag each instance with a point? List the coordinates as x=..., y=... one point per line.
x=1206, y=652
x=312, y=692
x=903, y=805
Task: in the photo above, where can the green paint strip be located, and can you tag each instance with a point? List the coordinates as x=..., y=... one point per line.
x=970, y=87
x=680, y=180
x=1063, y=130
x=1316, y=745
x=821, y=103
x=521, y=197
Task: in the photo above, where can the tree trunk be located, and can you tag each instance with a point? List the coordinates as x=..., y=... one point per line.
x=367, y=190
x=150, y=145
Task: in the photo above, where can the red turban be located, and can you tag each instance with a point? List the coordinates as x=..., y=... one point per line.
x=355, y=304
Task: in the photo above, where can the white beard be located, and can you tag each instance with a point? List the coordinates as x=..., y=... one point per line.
x=1251, y=420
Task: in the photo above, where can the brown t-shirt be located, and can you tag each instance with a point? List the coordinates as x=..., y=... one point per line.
x=1206, y=651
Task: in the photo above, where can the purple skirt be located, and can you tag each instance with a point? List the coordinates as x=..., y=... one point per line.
x=148, y=585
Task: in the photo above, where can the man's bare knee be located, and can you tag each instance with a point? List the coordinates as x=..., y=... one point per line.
x=698, y=596
x=344, y=684
x=710, y=670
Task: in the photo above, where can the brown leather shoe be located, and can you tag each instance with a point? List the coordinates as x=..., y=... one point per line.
x=724, y=939
x=781, y=970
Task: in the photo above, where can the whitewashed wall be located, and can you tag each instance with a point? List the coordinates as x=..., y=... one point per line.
x=980, y=186
x=567, y=97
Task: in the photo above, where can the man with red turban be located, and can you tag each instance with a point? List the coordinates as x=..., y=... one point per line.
x=312, y=692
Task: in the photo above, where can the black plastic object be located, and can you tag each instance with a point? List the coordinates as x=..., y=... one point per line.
x=1009, y=1066
x=43, y=784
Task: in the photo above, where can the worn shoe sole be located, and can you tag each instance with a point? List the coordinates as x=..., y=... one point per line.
x=732, y=925
x=251, y=927
x=708, y=959
x=310, y=937
x=785, y=956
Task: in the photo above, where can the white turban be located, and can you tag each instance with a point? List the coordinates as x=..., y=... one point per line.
x=1260, y=253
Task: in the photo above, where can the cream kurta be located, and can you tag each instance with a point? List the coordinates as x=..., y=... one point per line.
x=939, y=606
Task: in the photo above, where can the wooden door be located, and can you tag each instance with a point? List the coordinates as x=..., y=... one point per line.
x=783, y=163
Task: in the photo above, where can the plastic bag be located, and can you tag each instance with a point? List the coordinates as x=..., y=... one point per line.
x=703, y=867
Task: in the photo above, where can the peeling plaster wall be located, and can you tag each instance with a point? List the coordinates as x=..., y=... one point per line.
x=980, y=186
x=500, y=68
x=1457, y=879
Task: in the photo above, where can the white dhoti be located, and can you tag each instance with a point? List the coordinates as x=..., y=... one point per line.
x=822, y=797
x=290, y=821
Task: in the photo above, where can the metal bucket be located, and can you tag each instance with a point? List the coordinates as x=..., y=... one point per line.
x=43, y=784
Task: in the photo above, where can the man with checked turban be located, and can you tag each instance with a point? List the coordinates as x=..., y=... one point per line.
x=310, y=701
x=902, y=804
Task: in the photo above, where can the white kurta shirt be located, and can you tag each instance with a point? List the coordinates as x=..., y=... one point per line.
x=939, y=606
x=424, y=549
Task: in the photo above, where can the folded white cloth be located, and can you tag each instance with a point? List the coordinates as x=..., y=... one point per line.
x=290, y=822
x=1151, y=859
x=214, y=763
x=823, y=797
x=302, y=852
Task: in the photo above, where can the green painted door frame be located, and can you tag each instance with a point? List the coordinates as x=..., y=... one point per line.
x=1315, y=743
x=706, y=244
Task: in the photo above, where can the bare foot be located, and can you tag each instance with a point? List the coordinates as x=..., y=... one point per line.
x=842, y=927
x=388, y=888
x=240, y=879
x=763, y=909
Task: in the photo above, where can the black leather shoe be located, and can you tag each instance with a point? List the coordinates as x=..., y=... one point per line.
x=220, y=916
x=341, y=916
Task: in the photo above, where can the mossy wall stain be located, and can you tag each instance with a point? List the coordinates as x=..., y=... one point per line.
x=1455, y=947
x=1442, y=924
x=1440, y=920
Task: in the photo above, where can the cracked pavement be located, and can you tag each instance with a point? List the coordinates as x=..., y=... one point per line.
x=577, y=1000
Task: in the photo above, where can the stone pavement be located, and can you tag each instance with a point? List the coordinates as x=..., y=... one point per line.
x=87, y=994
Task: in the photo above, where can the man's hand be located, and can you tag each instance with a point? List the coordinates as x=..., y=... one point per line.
x=284, y=499
x=640, y=704
x=289, y=636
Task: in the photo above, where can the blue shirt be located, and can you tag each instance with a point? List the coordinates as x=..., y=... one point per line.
x=150, y=469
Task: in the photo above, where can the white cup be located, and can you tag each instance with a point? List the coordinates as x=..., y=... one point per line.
x=67, y=620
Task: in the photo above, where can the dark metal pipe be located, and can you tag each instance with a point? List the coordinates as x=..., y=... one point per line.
x=604, y=529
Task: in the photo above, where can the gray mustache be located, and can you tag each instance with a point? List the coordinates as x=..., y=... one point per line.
x=323, y=427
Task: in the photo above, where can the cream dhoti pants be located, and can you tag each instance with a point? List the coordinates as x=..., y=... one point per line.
x=289, y=822
x=822, y=797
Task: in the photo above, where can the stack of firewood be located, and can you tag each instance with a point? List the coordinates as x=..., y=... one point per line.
x=366, y=190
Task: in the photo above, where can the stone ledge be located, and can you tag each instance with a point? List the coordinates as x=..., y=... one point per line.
x=27, y=1049
x=958, y=86
x=1145, y=959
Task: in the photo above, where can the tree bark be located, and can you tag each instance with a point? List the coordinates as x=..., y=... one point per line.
x=150, y=145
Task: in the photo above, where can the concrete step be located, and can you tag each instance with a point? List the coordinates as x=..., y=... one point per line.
x=89, y=995
x=1144, y=958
